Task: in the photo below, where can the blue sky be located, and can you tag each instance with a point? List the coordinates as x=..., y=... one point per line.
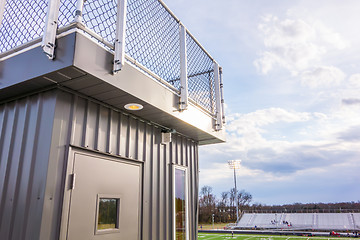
x=292, y=93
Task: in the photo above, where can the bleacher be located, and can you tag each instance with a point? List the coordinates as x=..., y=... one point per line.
x=301, y=221
x=357, y=220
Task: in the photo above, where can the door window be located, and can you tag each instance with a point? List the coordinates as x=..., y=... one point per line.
x=108, y=214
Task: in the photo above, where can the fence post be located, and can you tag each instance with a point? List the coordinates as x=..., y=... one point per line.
x=218, y=98
x=222, y=96
x=184, y=101
x=79, y=10
x=51, y=24
x=2, y=10
x=119, y=45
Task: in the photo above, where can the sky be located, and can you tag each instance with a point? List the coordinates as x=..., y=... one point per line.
x=291, y=72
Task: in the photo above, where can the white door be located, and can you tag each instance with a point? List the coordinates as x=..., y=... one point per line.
x=105, y=200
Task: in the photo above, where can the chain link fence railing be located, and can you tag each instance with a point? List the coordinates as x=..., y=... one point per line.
x=100, y=17
x=23, y=21
x=200, y=75
x=66, y=12
x=152, y=38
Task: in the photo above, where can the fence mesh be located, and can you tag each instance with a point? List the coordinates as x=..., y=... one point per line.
x=66, y=12
x=152, y=38
x=100, y=16
x=23, y=21
x=201, y=82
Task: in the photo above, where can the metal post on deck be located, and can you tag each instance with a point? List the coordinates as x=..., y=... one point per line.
x=119, y=53
x=51, y=25
x=79, y=10
x=222, y=96
x=218, y=114
x=184, y=101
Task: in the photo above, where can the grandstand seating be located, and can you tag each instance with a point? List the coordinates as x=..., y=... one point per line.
x=356, y=219
x=316, y=221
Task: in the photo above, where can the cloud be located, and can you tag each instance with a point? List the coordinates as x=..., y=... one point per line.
x=288, y=44
x=282, y=166
x=265, y=117
x=331, y=37
x=311, y=140
x=297, y=45
x=322, y=77
x=354, y=80
x=352, y=134
x=351, y=101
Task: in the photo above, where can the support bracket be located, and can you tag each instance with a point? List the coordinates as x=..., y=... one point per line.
x=119, y=45
x=184, y=98
x=218, y=113
x=51, y=25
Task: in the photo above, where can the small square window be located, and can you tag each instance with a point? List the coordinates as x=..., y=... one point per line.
x=108, y=212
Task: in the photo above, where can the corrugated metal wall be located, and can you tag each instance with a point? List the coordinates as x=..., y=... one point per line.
x=25, y=137
x=51, y=121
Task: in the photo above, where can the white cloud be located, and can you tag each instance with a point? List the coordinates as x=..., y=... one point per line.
x=297, y=45
x=322, y=77
x=246, y=131
x=267, y=116
x=218, y=172
x=354, y=80
x=331, y=37
x=324, y=150
x=281, y=141
x=266, y=63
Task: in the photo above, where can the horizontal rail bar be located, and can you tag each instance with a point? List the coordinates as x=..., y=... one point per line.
x=169, y=11
x=192, y=75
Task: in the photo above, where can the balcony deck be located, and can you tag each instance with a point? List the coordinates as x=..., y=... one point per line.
x=158, y=51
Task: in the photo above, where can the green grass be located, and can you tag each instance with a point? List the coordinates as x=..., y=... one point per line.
x=208, y=226
x=220, y=236
x=106, y=226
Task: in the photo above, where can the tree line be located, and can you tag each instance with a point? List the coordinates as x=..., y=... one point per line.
x=223, y=209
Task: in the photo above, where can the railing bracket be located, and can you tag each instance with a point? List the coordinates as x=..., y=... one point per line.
x=183, y=70
x=119, y=44
x=51, y=24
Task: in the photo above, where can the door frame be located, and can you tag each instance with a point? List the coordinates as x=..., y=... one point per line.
x=68, y=182
x=187, y=180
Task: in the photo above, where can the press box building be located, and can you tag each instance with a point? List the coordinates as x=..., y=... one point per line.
x=103, y=105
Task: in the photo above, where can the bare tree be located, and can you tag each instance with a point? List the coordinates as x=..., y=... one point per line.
x=224, y=199
x=244, y=198
x=207, y=204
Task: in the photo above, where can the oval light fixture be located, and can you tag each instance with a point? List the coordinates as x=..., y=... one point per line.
x=133, y=106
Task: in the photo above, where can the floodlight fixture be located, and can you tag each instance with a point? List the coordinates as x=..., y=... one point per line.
x=234, y=164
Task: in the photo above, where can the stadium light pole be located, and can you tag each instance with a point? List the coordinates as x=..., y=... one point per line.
x=235, y=164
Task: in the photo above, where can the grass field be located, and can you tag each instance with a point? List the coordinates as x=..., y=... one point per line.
x=210, y=226
x=220, y=236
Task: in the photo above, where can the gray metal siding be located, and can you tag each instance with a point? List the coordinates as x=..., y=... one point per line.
x=32, y=168
x=101, y=128
x=25, y=128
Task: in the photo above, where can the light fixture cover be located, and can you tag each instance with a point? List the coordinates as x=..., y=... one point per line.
x=133, y=106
